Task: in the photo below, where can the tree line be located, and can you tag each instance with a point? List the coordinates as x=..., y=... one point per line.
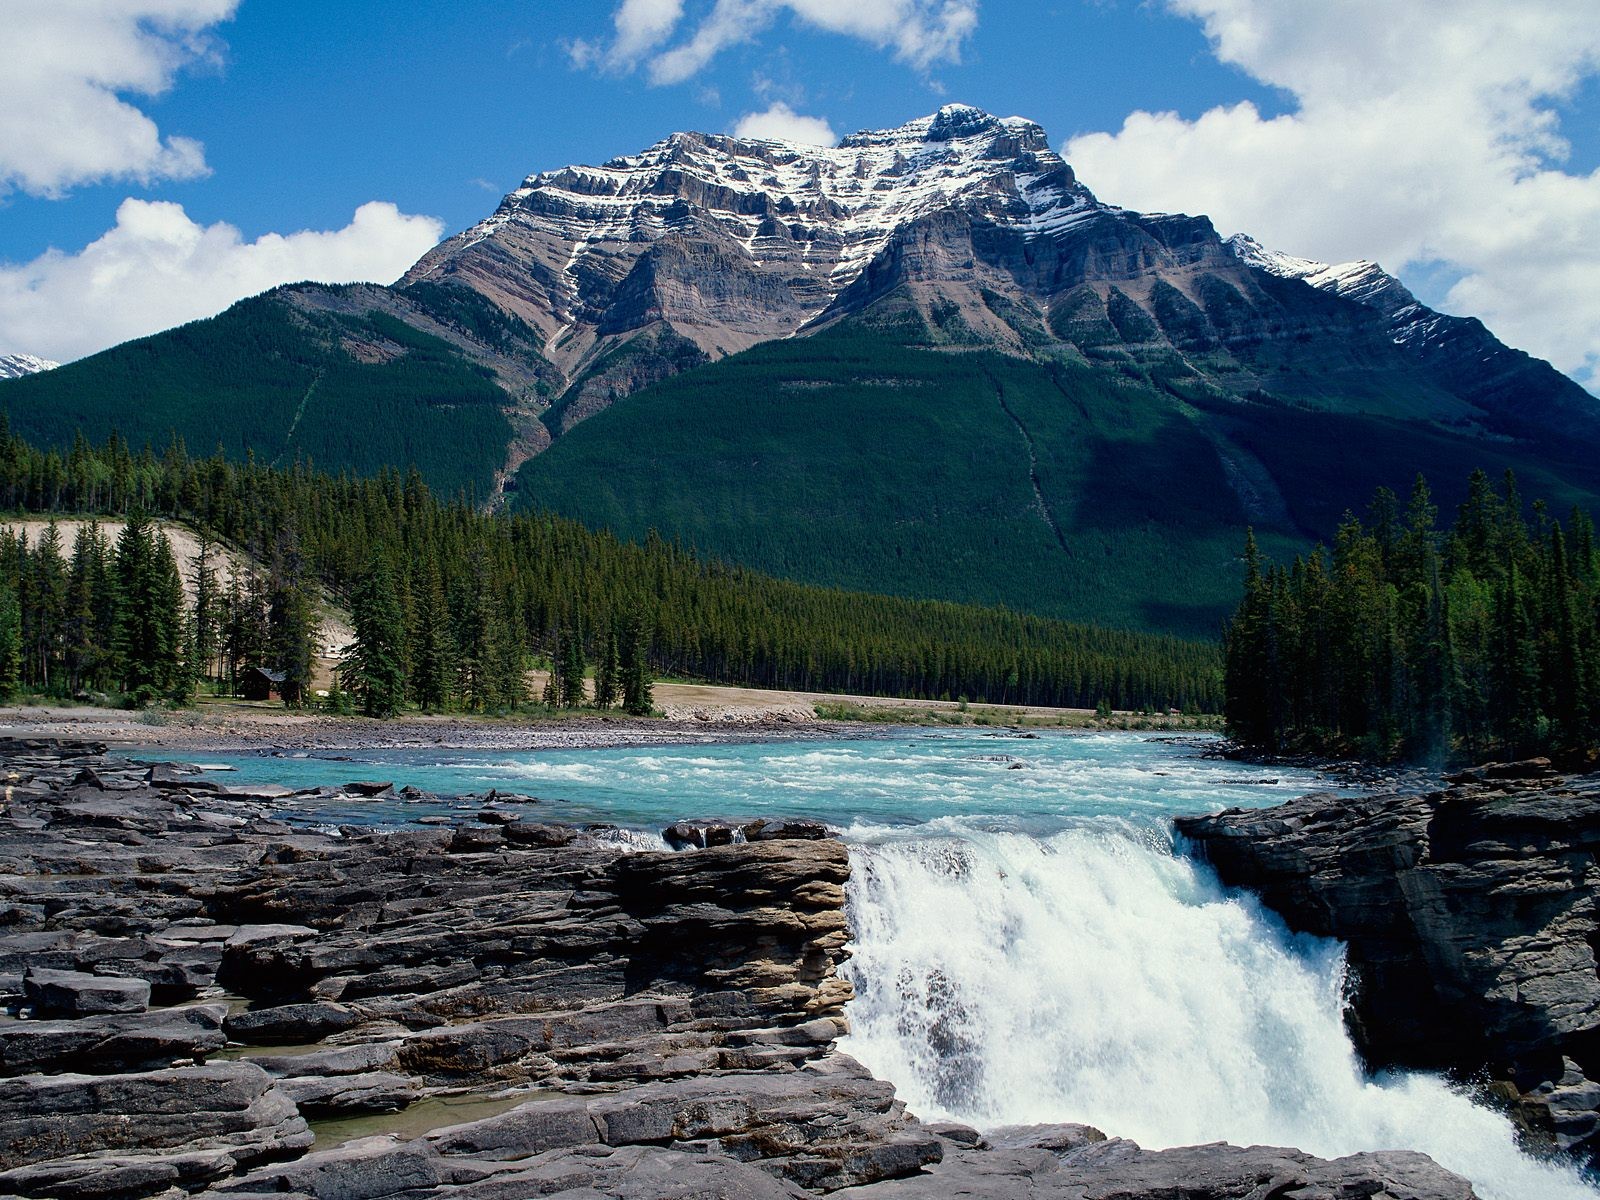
x=452, y=605
x=1405, y=640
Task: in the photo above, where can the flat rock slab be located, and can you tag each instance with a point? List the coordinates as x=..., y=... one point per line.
x=221, y=1106
x=78, y=994
x=118, y=1041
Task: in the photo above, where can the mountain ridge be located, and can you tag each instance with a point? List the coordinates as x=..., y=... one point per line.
x=1116, y=367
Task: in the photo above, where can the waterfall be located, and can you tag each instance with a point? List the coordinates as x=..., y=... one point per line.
x=1096, y=976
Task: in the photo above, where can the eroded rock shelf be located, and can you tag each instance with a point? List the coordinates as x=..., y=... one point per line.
x=195, y=988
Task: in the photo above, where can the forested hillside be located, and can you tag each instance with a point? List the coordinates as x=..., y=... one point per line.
x=1408, y=640
x=1107, y=492
x=280, y=380
x=480, y=597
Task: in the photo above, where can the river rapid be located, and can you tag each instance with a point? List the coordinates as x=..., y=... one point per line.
x=1031, y=945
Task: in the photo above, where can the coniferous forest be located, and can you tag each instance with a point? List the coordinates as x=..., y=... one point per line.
x=1407, y=640
x=452, y=606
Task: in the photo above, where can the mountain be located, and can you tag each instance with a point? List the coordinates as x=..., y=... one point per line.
x=15, y=366
x=927, y=360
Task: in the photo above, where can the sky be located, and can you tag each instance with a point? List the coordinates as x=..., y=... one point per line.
x=160, y=159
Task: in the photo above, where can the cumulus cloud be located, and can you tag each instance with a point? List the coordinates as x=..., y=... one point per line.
x=68, y=66
x=157, y=268
x=783, y=124
x=1421, y=133
x=919, y=33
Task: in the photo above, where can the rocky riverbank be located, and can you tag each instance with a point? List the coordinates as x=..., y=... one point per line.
x=1471, y=919
x=205, y=1000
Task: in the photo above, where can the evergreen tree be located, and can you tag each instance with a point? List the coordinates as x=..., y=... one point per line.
x=208, y=616
x=606, y=672
x=573, y=670
x=638, y=698
x=1483, y=641
x=148, y=622
x=431, y=651
x=373, y=669
x=291, y=621
x=10, y=642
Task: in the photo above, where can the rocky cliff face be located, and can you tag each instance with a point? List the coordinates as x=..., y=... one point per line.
x=1470, y=916
x=1522, y=392
x=637, y=1025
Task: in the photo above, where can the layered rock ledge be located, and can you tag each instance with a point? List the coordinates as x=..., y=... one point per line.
x=1470, y=916
x=202, y=998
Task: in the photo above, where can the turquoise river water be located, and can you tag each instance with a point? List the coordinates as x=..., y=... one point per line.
x=1030, y=942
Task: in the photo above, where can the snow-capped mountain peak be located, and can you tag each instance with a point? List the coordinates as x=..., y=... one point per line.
x=807, y=219
x=15, y=366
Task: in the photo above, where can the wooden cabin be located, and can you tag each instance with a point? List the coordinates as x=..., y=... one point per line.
x=260, y=683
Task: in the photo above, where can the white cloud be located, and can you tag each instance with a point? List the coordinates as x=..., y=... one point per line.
x=1421, y=132
x=67, y=65
x=919, y=33
x=785, y=125
x=157, y=268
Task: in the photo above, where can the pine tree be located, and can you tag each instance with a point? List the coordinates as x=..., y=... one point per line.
x=573, y=670
x=606, y=672
x=507, y=658
x=10, y=642
x=174, y=675
x=291, y=621
x=45, y=615
x=207, y=609
x=638, y=698
x=431, y=650
x=373, y=668
x=148, y=625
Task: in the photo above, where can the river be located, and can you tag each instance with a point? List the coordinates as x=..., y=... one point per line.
x=1030, y=943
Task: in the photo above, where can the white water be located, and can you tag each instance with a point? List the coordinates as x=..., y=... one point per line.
x=1095, y=976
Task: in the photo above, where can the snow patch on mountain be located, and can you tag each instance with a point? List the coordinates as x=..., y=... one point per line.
x=825, y=212
x=15, y=366
x=1363, y=281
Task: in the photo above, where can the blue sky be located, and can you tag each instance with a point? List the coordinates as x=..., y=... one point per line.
x=1329, y=136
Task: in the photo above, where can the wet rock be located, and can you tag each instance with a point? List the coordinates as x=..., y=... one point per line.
x=533, y=833
x=371, y=789
x=1058, y=1139
x=1119, y=1170
x=369, y=1091
x=673, y=1015
x=77, y=994
x=688, y=835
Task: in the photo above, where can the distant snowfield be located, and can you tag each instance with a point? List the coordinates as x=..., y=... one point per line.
x=15, y=366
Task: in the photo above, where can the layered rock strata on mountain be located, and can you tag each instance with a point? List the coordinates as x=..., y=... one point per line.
x=637, y=1025
x=965, y=228
x=1471, y=921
